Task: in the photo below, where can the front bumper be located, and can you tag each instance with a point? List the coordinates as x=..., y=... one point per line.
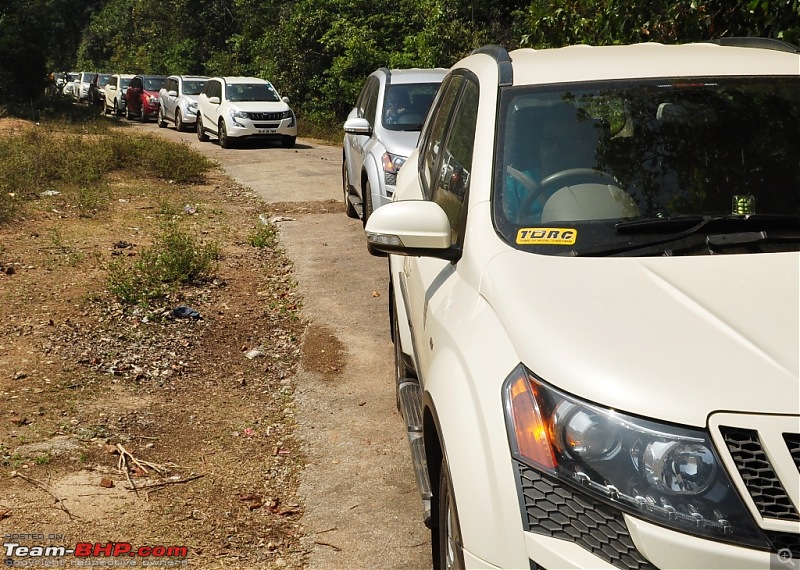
x=565, y=528
x=262, y=128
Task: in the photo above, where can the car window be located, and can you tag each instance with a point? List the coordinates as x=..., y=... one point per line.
x=153, y=83
x=361, y=102
x=431, y=149
x=372, y=104
x=251, y=92
x=454, y=173
x=193, y=87
x=406, y=105
x=124, y=82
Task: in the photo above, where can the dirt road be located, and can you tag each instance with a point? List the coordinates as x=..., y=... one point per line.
x=361, y=502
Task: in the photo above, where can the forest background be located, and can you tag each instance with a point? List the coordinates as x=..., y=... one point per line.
x=318, y=52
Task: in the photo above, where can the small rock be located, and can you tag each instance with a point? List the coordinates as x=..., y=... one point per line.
x=106, y=482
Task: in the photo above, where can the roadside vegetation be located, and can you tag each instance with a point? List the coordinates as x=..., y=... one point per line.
x=318, y=52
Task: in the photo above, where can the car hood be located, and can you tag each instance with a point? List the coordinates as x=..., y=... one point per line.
x=668, y=338
x=400, y=143
x=260, y=106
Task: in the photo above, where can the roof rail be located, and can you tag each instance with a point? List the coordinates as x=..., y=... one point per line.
x=763, y=43
x=388, y=73
x=500, y=55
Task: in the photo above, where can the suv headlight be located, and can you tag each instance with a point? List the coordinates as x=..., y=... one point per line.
x=192, y=107
x=667, y=474
x=236, y=115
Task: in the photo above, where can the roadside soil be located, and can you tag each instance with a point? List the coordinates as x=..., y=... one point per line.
x=261, y=435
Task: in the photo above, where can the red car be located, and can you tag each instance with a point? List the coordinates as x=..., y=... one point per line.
x=142, y=96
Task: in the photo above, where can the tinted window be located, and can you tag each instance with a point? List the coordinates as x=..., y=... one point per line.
x=432, y=145
x=595, y=156
x=251, y=92
x=454, y=174
x=406, y=105
x=193, y=87
x=371, y=104
x=154, y=83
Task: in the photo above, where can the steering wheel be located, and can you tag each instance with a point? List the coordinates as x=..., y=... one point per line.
x=558, y=180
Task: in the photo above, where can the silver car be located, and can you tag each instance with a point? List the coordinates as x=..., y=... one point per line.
x=380, y=133
x=178, y=100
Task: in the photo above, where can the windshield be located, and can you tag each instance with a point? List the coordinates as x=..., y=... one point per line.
x=193, y=87
x=590, y=160
x=124, y=82
x=153, y=83
x=405, y=106
x=103, y=79
x=251, y=92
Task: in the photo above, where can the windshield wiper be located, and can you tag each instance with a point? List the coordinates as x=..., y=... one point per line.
x=740, y=230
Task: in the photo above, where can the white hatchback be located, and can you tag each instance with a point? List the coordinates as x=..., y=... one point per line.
x=235, y=108
x=594, y=264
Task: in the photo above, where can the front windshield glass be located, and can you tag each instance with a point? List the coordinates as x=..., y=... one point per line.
x=251, y=92
x=103, y=79
x=154, y=83
x=589, y=159
x=193, y=87
x=124, y=82
x=405, y=105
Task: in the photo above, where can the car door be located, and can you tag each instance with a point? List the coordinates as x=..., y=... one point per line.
x=172, y=85
x=445, y=163
x=111, y=91
x=365, y=109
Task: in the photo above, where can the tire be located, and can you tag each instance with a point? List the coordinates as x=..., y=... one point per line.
x=201, y=132
x=179, y=126
x=349, y=209
x=367, y=202
x=288, y=142
x=116, y=111
x=161, y=122
x=446, y=535
x=128, y=114
x=222, y=134
x=142, y=114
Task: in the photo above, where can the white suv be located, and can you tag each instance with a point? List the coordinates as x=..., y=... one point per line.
x=234, y=108
x=115, y=92
x=594, y=260
x=178, y=101
x=381, y=131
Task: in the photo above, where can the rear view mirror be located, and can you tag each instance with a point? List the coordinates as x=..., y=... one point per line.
x=172, y=93
x=214, y=100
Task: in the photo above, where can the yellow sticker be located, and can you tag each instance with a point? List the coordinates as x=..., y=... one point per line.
x=547, y=236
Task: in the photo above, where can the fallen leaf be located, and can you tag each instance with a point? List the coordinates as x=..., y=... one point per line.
x=376, y=294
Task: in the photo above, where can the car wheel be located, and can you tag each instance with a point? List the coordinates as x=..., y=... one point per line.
x=179, y=126
x=288, y=142
x=367, y=202
x=128, y=114
x=201, y=132
x=117, y=112
x=161, y=122
x=447, y=543
x=348, y=206
x=222, y=134
x=142, y=114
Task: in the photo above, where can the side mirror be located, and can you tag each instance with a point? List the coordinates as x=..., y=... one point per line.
x=214, y=100
x=172, y=93
x=357, y=126
x=411, y=227
x=285, y=100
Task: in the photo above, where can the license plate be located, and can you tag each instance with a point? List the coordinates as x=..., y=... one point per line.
x=267, y=131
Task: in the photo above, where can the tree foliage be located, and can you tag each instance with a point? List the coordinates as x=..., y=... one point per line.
x=318, y=52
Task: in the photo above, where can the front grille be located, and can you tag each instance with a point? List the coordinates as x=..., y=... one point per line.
x=793, y=443
x=554, y=510
x=266, y=116
x=758, y=475
x=784, y=540
x=390, y=178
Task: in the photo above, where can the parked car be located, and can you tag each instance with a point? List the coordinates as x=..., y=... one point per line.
x=80, y=89
x=97, y=94
x=141, y=97
x=115, y=92
x=381, y=131
x=236, y=108
x=69, y=82
x=178, y=100
x=594, y=260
